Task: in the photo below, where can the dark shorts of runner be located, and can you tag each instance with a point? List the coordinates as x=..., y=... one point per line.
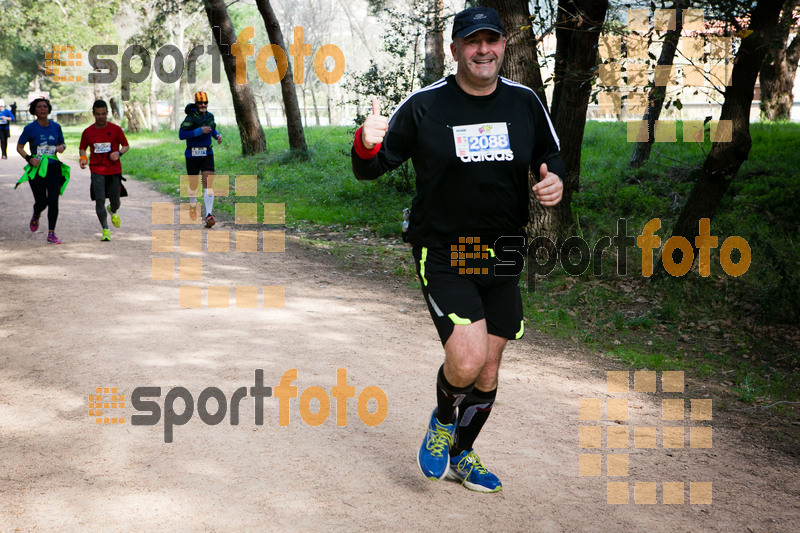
x=196, y=165
x=455, y=298
x=108, y=185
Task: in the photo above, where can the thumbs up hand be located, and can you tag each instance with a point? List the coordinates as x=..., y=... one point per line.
x=549, y=188
x=374, y=128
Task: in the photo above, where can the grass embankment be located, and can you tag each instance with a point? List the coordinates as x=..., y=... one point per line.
x=738, y=333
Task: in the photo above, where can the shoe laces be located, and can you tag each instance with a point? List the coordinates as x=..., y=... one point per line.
x=436, y=443
x=474, y=463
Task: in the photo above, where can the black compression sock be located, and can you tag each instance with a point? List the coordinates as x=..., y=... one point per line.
x=472, y=414
x=448, y=398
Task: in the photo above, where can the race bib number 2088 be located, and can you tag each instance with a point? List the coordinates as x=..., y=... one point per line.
x=483, y=142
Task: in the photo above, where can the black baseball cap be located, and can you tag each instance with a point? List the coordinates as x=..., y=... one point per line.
x=473, y=19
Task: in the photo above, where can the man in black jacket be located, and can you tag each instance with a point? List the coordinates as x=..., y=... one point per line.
x=472, y=138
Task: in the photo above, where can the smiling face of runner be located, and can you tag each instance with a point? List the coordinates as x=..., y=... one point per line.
x=479, y=57
x=100, y=116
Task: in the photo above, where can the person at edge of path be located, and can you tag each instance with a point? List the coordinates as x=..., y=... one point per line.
x=6, y=116
x=107, y=143
x=197, y=129
x=47, y=176
x=472, y=138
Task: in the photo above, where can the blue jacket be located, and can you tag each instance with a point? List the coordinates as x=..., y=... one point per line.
x=191, y=130
x=6, y=116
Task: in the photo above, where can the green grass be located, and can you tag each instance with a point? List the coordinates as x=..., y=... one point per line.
x=318, y=190
x=726, y=330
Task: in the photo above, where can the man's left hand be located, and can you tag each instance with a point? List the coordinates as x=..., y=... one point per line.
x=114, y=156
x=548, y=190
x=219, y=139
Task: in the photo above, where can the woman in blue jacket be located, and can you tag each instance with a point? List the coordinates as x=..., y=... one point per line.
x=47, y=176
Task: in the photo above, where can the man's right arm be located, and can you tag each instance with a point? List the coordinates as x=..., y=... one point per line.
x=375, y=153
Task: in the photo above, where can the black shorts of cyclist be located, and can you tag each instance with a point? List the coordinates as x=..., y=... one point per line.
x=196, y=165
x=460, y=293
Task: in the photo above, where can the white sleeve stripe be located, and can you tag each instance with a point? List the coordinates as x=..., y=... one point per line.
x=546, y=114
x=430, y=87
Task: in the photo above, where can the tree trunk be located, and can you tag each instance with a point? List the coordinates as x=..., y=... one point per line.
x=177, y=91
x=778, y=71
x=577, y=33
x=141, y=115
x=521, y=64
x=294, y=125
x=356, y=26
x=328, y=98
x=265, y=105
x=434, y=43
x=305, y=107
x=114, y=108
x=134, y=126
x=314, y=103
x=244, y=104
x=725, y=158
x=641, y=152
x=153, y=105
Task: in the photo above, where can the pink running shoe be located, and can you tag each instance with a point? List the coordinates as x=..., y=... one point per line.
x=52, y=239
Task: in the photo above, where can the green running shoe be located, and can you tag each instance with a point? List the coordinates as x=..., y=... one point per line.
x=114, y=218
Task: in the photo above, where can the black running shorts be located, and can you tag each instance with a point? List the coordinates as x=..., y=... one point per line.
x=196, y=165
x=464, y=293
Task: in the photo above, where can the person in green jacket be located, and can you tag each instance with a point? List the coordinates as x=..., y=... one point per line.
x=197, y=129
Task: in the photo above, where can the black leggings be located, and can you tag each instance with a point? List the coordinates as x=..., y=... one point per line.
x=4, y=135
x=45, y=193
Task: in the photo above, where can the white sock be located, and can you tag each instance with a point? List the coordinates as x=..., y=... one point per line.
x=208, y=198
x=192, y=196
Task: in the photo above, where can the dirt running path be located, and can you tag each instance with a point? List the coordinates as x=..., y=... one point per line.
x=88, y=314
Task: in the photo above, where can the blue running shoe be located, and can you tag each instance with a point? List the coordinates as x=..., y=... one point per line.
x=467, y=469
x=434, y=452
